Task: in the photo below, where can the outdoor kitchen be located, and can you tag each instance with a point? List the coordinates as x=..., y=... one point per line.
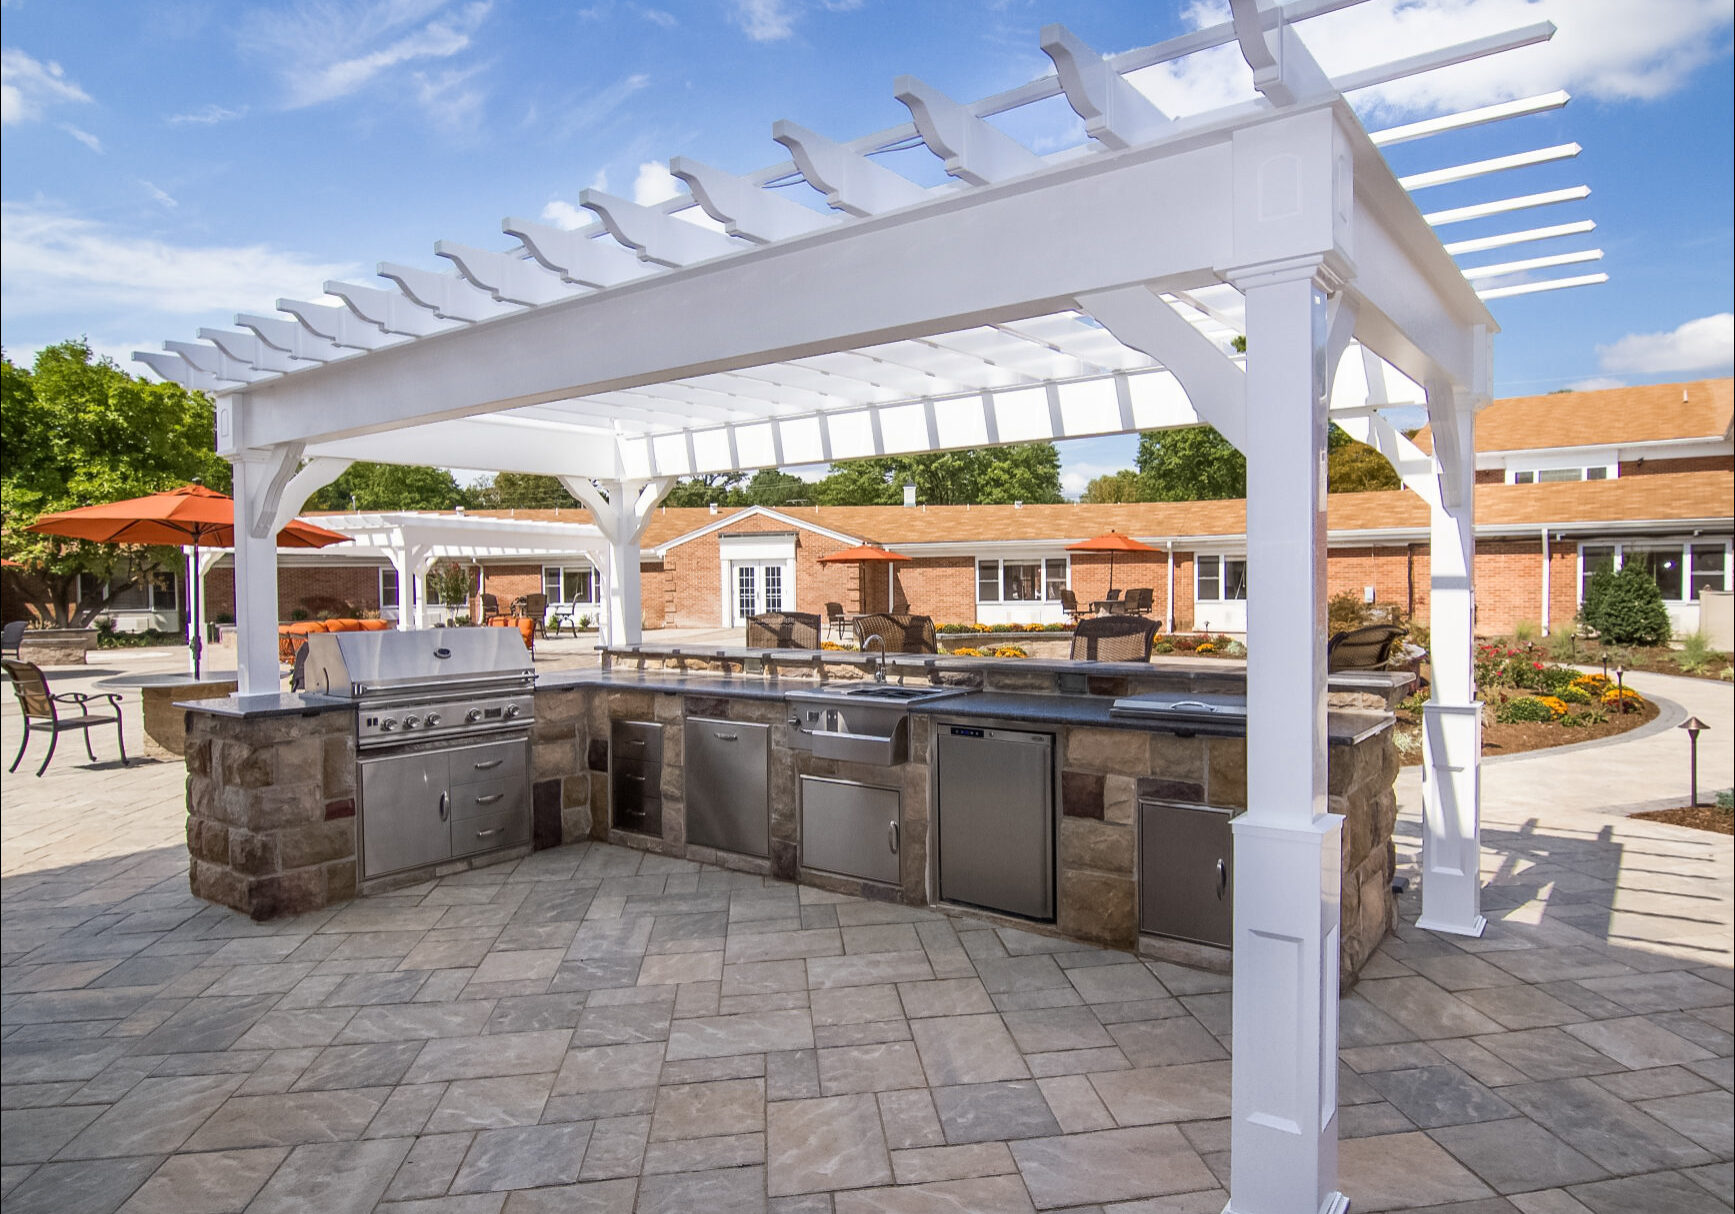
x=1089, y=799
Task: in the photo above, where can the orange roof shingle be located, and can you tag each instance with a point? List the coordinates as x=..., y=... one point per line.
x=1703, y=409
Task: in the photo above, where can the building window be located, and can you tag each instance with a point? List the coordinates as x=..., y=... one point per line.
x=569, y=583
x=1220, y=579
x=388, y=588
x=1022, y=579
x=1682, y=569
x=1545, y=476
x=159, y=590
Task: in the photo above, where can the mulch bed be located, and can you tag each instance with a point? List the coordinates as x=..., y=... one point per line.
x=1702, y=817
x=1658, y=659
x=1504, y=739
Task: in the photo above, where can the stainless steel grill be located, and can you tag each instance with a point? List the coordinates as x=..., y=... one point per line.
x=443, y=722
x=432, y=684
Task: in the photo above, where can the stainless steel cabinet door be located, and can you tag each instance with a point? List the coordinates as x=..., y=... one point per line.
x=1186, y=872
x=996, y=819
x=728, y=769
x=405, y=812
x=850, y=829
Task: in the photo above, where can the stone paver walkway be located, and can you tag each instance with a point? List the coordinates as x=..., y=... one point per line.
x=594, y=1029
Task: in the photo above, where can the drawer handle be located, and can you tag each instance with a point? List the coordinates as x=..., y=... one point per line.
x=892, y=836
x=489, y=764
x=490, y=798
x=1222, y=879
x=639, y=742
x=726, y=737
x=445, y=803
x=634, y=779
x=483, y=834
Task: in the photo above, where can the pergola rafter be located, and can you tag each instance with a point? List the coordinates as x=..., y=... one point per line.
x=1089, y=291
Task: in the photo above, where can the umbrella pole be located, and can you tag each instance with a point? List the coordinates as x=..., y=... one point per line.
x=193, y=620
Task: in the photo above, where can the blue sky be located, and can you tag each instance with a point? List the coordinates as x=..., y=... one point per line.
x=167, y=163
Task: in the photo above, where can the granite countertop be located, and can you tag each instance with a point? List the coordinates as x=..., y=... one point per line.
x=284, y=704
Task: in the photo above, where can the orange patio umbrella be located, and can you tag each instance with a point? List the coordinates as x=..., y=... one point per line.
x=863, y=554
x=1113, y=542
x=191, y=515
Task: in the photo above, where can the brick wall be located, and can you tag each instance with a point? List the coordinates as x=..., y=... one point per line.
x=1387, y=568
x=1702, y=463
x=328, y=588
x=693, y=575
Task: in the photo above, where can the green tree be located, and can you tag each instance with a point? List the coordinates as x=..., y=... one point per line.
x=1122, y=486
x=1022, y=472
x=1192, y=464
x=1353, y=467
x=79, y=431
x=1625, y=606
x=772, y=487
x=711, y=489
x=521, y=491
x=365, y=486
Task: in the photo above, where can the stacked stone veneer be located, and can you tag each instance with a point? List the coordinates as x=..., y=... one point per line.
x=271, y=810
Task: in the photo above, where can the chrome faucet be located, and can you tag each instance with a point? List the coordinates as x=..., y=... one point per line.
x=880, y=666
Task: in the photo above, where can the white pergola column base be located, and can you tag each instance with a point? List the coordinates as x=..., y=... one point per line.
x=1288, y=850
x=1451, y=829
x=1283, y=1139
x=257, y=669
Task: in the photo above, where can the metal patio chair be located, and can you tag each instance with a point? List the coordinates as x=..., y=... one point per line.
x=1369, y=648
x=835, y=621
x=1113, y=638
x=12, y=636
x=41, y=710
x=1069, y=604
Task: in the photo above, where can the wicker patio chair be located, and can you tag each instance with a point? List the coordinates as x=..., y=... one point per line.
x=1368, y=648
x=1113, y=638
x=783, y=630
x=41, y=710
x=899, y=633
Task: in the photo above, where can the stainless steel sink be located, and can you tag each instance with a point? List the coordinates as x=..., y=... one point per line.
x=861, y=723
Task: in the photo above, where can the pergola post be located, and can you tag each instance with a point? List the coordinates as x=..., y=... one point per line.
x=621, y=511
x=1452, y=719
x=1283, y=1135
x=257, y=670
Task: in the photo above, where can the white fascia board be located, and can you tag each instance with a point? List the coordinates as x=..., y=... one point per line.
x=463, y=443
x=754, y=512
x=1153, y=214
x=1605, y=453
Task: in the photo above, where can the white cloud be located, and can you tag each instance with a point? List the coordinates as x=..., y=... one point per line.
x=29, y=86
x=207, y=115
x=1596, y=383
x=657, y=16
x=85, y=137
x=1075, y=478
x=159, y=194
x=563, y=214
x=450, y=99
x=654, y=184
x=57, y=262
x=765, y=20
x=325, y=51
x=1706, y=344
x=600, y=181
x=1610, y=50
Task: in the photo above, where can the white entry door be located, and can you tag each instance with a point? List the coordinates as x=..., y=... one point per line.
x=758, y=588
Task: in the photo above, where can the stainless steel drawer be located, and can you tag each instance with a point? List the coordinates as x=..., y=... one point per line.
x=491, y=761
x=636, y=740
x=489, y=831
x=487, y=797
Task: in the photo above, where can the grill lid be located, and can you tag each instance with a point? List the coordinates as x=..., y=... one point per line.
x=360, y=663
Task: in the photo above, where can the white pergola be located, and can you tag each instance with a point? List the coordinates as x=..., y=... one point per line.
x=414, y=541
x=829, y=307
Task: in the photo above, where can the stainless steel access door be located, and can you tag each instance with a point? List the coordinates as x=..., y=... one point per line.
x=996, y=819
x=1186, y=872
x=405, y=812
x=728, y=771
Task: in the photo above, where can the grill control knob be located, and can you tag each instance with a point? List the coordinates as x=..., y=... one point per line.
x=511, y=711
x=474, y=715
x=411, y=721
x=387, y=724
x=432, y=720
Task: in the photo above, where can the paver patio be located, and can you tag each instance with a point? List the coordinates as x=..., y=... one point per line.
x=596, y=1029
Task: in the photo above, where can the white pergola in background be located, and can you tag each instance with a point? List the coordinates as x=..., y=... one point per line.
x=1091, y=291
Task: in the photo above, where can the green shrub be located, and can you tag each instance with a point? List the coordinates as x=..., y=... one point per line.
x=1696, y=653
x=1562, y=646
x=1525, y=632
x=1627, y=607
x=1163, y=647
x=1726, y=799
x=1526, y=710
x=1575, y=695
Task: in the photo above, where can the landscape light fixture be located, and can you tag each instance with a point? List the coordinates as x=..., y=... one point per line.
x=1621, y=688
x=1694, y=727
